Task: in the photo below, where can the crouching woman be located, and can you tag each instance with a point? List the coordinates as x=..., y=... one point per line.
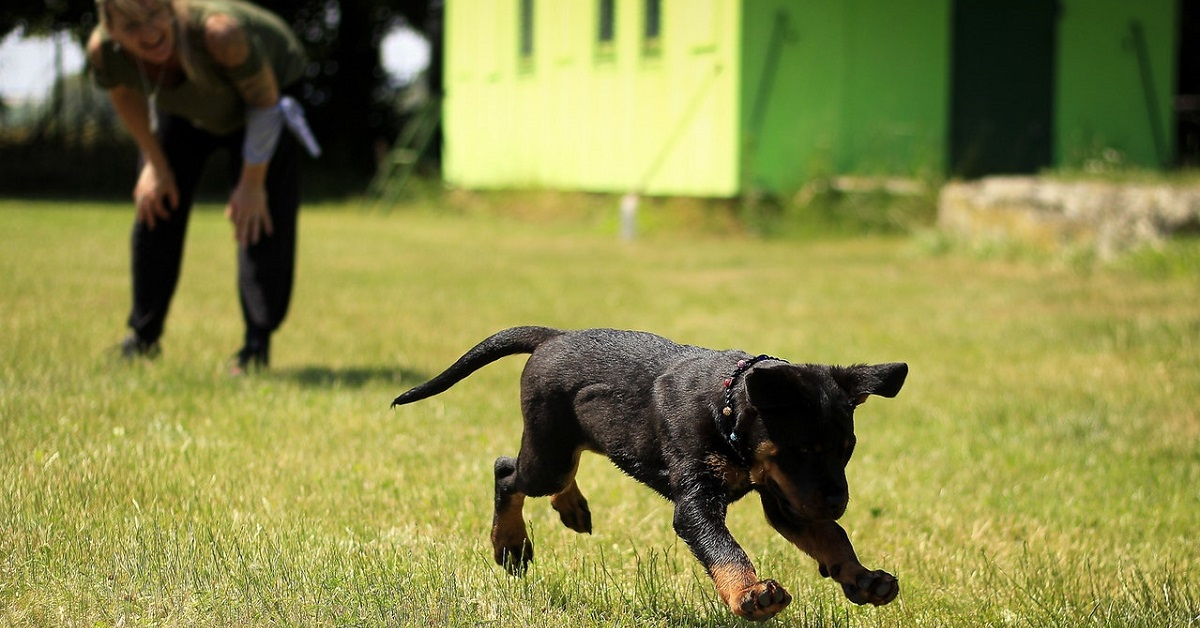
x=188, y=78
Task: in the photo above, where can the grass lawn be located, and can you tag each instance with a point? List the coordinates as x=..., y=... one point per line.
x=1040, y=467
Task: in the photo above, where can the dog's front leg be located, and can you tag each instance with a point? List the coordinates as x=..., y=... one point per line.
x=828, y=543
x=700, y=522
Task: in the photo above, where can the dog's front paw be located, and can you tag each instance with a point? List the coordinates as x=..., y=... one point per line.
x=761, y=601
x=872, y=587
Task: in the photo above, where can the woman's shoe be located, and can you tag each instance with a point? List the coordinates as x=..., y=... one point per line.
x=250, y=358
x=134, y=348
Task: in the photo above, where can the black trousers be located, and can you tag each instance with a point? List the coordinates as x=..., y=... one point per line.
x=265, y=269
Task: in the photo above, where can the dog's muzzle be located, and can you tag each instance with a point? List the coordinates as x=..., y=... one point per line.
x=817, y=507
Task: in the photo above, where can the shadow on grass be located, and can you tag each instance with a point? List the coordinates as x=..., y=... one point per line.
x=319, y=376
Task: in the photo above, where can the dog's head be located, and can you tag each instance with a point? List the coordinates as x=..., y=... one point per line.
x=804, y=434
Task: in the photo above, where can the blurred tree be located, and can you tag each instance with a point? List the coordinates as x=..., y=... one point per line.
x=343, y=91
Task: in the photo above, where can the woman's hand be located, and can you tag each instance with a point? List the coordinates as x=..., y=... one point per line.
x=247, y=210
x=155, y=195
x=231, y=47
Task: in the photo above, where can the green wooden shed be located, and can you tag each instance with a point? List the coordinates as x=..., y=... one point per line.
x=721, y=97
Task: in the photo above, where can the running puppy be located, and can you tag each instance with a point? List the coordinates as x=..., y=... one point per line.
x=702, y=428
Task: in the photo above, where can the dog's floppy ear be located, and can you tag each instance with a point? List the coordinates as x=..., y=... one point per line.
x=774, y=386
x=863, y=380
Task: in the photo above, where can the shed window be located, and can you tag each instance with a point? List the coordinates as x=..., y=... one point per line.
x=652, y=27
x=607, y=30
x=526, y=35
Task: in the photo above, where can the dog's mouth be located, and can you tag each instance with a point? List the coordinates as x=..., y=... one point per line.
x=785, y=505
x=828, y=509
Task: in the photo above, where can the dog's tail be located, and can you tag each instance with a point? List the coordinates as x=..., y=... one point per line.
x=504, y=343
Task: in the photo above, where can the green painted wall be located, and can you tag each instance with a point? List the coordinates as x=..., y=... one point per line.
x=853, y=87
x=895, y=105
x=1101, y=100
x=580, y=116
x=792, y=92
x=848, y=87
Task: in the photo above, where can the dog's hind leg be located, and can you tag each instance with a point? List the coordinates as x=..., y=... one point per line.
x=571, y=505
x=550, y=448
x=545, y=466
x=510, y=542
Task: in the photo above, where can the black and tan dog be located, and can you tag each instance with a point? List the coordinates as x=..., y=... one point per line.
x=701, y=427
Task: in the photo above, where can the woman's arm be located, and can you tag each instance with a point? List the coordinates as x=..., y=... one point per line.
x=155, y=191
x=230, y=45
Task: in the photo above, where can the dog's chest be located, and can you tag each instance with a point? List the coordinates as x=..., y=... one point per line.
x=735, y=478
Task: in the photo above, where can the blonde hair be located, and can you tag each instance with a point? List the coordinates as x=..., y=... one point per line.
x=187, y=49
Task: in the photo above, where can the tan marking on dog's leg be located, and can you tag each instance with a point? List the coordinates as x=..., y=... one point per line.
x=570, y=503
x=828, y=543
x=572, y=508
x=731, y=581
x=566, y=498
x=746, y=595
x=510, y=541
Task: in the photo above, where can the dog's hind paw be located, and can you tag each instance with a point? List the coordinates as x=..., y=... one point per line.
x=578, y=520
x=515, y=559
x=762, y=601
x=573, y=510
x=872, y=587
